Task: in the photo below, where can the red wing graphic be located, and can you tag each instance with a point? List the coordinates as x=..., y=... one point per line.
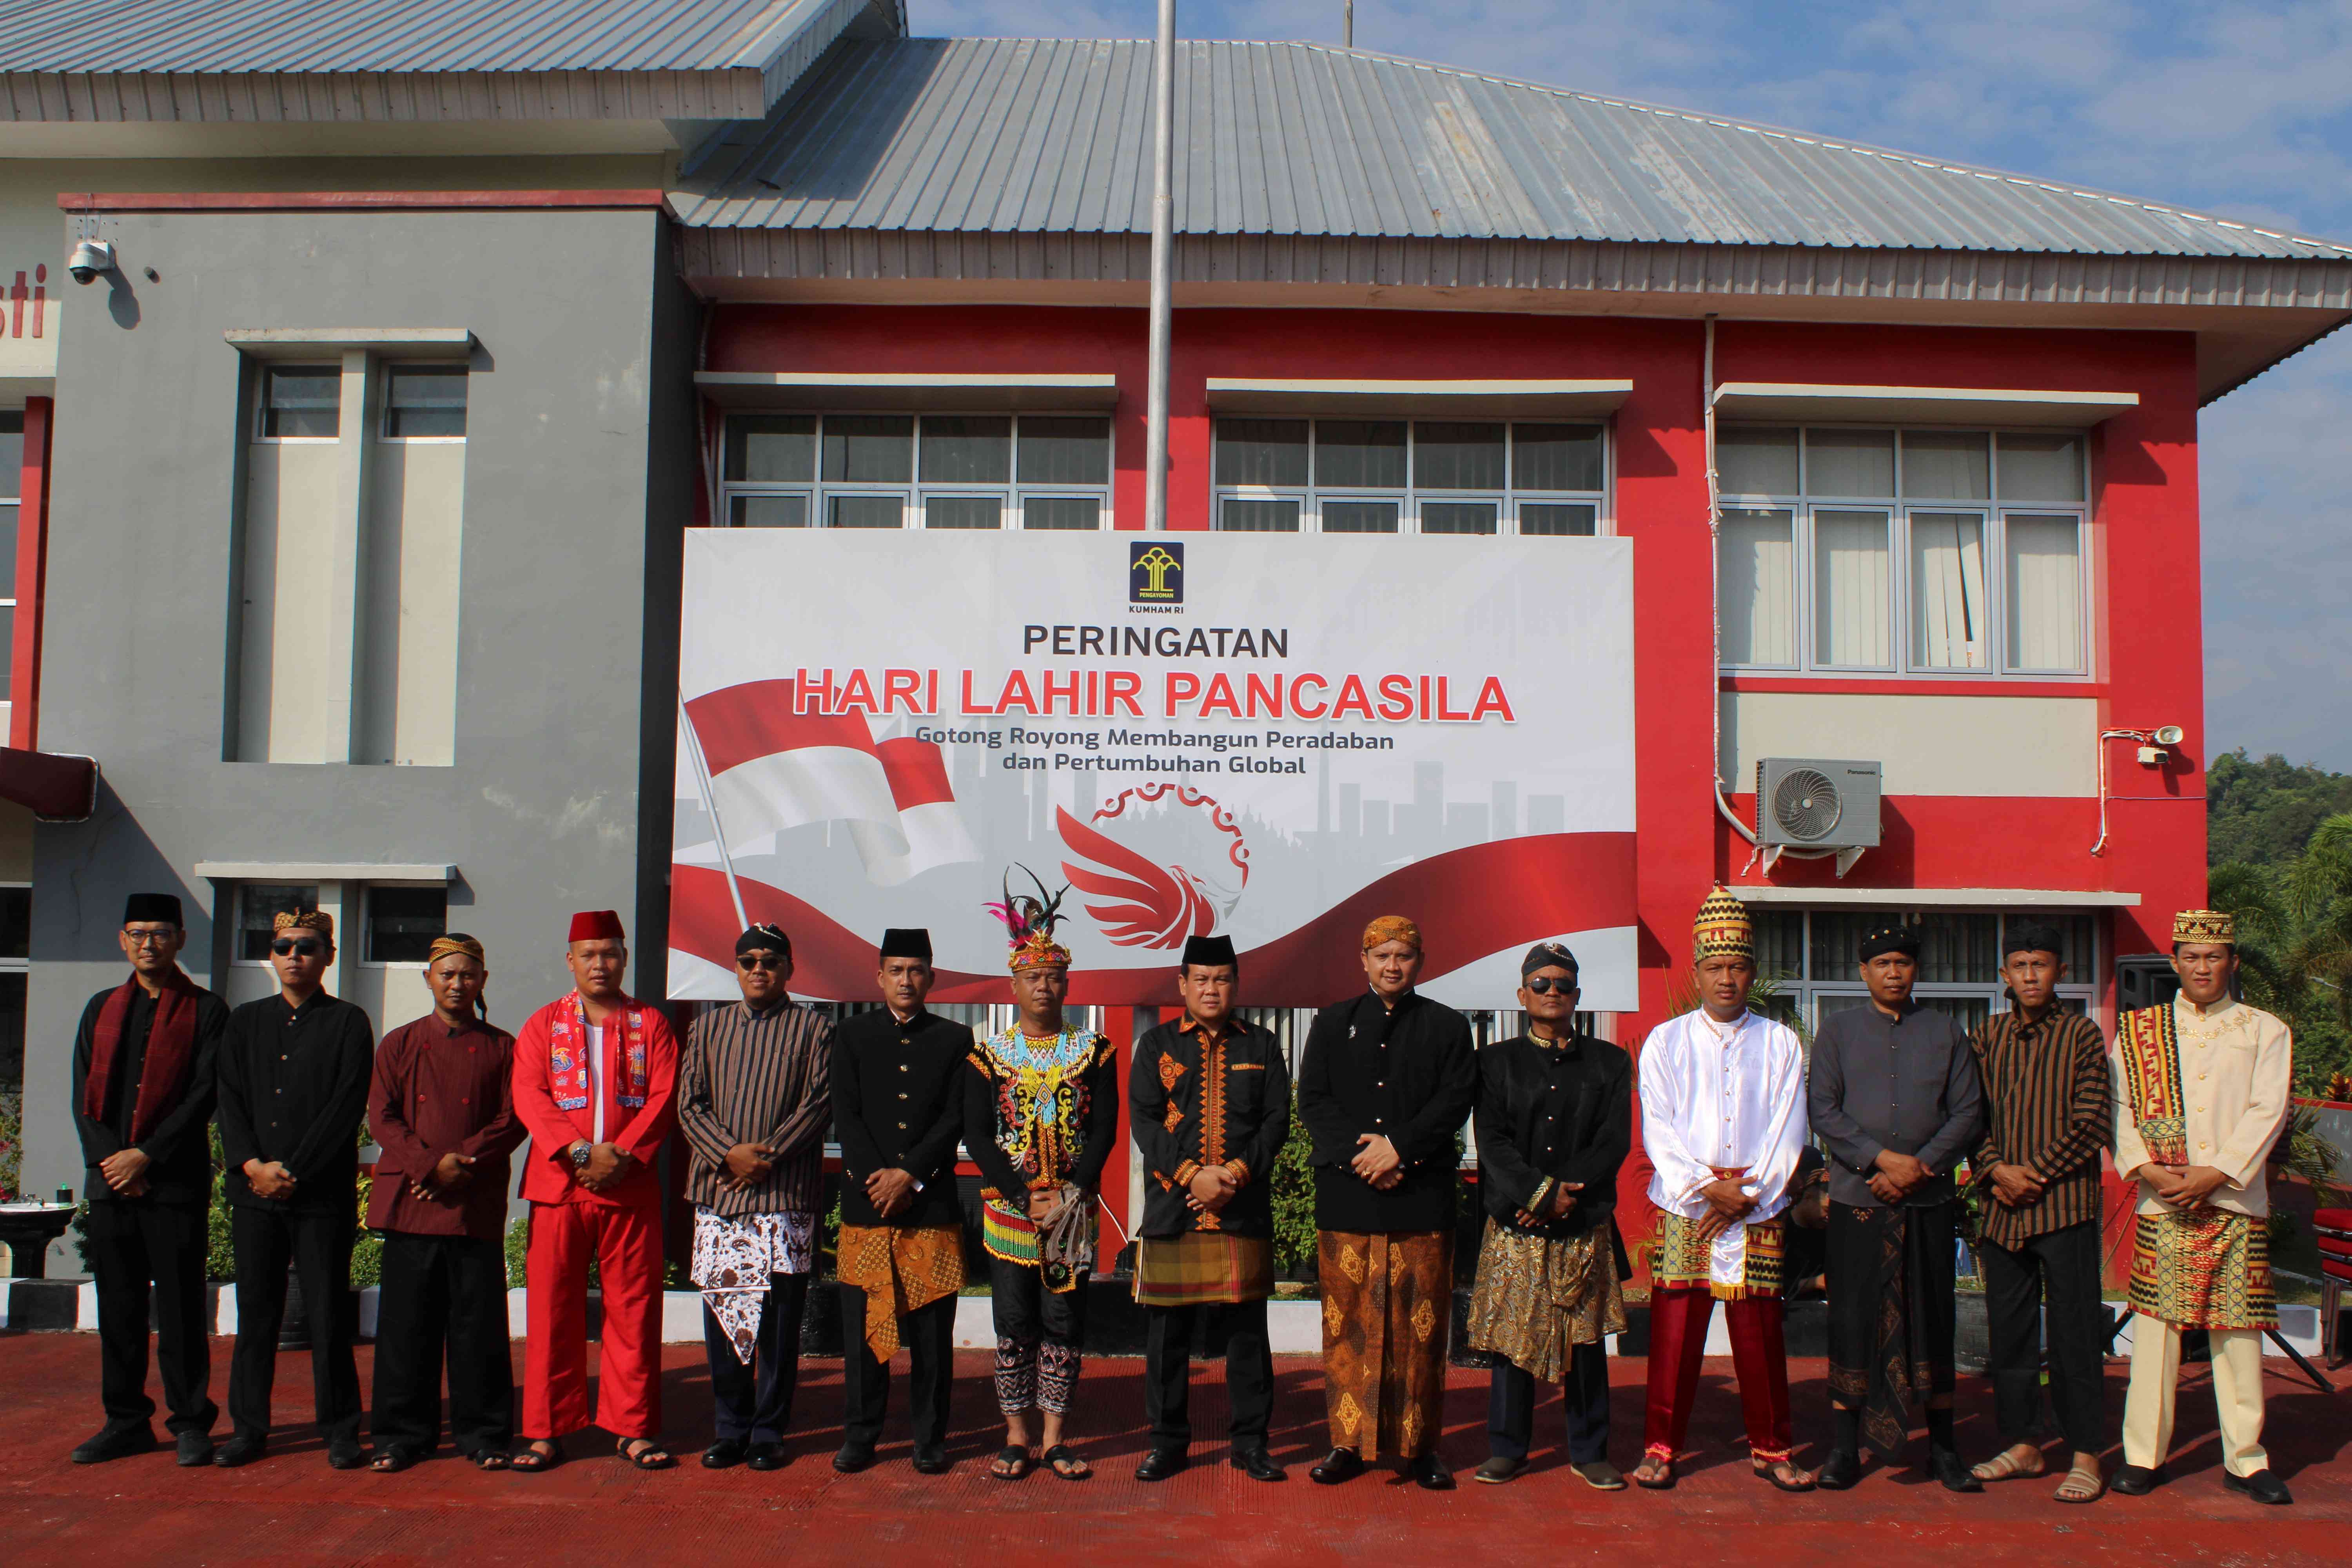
x=1158, y=906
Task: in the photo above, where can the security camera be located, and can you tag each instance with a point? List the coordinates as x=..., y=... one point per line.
x=2169, y=735
x=89, y=258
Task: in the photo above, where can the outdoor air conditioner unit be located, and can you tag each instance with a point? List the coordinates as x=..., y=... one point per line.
x=1804, y=803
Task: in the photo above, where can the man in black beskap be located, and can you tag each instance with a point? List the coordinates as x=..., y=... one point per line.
x=294, y=1074
x=898, y=1110
x=1384, y=1085
x=1209, y=1104
x=143, y=1065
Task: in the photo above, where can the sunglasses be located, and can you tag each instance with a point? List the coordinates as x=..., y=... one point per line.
x=1544, y=986
x=307, y=946
x=775, y=961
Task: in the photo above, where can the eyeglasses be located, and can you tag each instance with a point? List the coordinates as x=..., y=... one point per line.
x=775, y=961
x=148, y=938
x=1544, y=986
x=308, y=947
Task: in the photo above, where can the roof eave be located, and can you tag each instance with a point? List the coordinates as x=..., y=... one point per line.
x=390, y=97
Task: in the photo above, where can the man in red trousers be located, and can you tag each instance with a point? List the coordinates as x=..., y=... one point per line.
x=595, y=1080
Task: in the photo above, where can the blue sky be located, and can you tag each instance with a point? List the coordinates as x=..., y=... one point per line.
x=2236, y=109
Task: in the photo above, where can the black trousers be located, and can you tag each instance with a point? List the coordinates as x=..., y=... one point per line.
x=317, y=1245
x=442, y=1294
x=1584, y=1394
x=929, y=1334
x=136, y=1243
x=2060, y=1267
x=1168, y=1369
x=755, y=1404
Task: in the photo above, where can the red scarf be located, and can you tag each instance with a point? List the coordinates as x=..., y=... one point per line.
x=171, y=1052
x=567, y=1053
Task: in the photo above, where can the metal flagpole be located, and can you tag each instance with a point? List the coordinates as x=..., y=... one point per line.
x=718, y=833
x=1348, y=25
x=1163, y=244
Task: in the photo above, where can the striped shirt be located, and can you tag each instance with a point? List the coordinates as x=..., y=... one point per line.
x=756, y=1078
x=2048, y=1104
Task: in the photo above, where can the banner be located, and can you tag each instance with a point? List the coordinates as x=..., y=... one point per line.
x=1275, y=737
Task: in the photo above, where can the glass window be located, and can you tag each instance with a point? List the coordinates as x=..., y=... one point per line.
x=7, y=554
x=768, y=511
x=2044, y=569
x=1947, y=465
x=1360, y=454
x=1754, y=461
x=966, y=449
x=259, y=905
x=1239, y=515
x=864, y=511
x=1457, y=455
x=1061, y=511
x=1575, y=518
x=1779, y=943
x=1556, y=456
x=16, y=923
x=2039, y=466
x=772, y=448
x=1359, y=517
x=869, y=448
x=1759, y=589
x=1457, y=516
x=1849, y=462
x=1064, y=451
x=12, y=454
x=1948, y=621
x=301, y=402
x=1959, y=949
x=962, y=512
x=1837, y=942
x=1261, y=451
x=402, y=924
x=424, y=400
x=1851, y=582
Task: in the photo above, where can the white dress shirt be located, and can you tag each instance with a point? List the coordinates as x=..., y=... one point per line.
x=1722, y=1097
x=2237, y=1070
x=597, y=1076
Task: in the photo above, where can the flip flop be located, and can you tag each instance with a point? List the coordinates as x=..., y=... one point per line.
x=1664, y=1482
x=1018, y=1462
x=391, y=1461
x=492, y=1459
x=1061, y=1454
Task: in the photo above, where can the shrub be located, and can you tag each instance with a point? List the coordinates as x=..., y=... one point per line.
x=1293, y=1196
x=12, y=1140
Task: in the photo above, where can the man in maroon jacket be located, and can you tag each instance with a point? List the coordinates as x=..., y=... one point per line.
x=442, y=1111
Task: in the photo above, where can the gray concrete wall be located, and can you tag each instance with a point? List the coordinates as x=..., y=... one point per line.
x=575, y=491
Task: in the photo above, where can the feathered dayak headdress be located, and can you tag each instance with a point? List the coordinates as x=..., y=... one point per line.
x=1030, y=923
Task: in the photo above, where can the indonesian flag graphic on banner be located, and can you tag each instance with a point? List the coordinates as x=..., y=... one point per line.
x=771, y=768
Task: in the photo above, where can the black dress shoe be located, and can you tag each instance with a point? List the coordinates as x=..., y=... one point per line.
x=2137, y=1480
x=855, y=1457
x=346, y=1455
x=241, y=1450
x=112, y=1442
x=1257, y=1465
x=195, y=1448
x=1430, y=1474
x=1162, y=1463
x=725, y=1454
x=928, y=1461
x=1843, y=1470
x=2263, y=1486
x=767, y=1457
x=1342, y=1465
x=1953, y=1476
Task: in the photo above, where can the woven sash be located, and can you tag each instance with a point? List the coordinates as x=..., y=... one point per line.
x=2150, y=1048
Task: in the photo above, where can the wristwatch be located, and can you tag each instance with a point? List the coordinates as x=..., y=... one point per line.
x=580, y=1152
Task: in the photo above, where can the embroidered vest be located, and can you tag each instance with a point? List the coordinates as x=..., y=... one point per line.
x=2149, y=1044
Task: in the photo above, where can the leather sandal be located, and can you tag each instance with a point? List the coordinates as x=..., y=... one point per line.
x=1662, y=1481
x=652, y=1456
x=1062, y=1454
x=533, y=1460
x=1012, y=1463
x=2082, y=1485
x=2006, y=1466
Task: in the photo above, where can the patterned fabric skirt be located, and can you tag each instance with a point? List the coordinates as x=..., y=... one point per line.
x=2203, y=1268
x=1892, y=1315
x=1538, y=1296
x=901, y=1268
x=1680, y=1262
x=1388, y=1304
x=733, y=1257
x=1203, y=1269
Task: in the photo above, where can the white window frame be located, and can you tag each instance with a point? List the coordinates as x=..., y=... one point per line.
x=12, y=966
x=260, y=423
x=1996, y=511
x=389, y=370
x=915, y=495
x=367, y=913
x=1409, y=499
x=1805, y=992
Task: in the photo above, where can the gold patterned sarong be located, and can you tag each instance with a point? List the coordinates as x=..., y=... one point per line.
x=2203, y=1268
x=1388, y=1305
x=1202, y=1270
x=1538, y=1296
x=900, y=1268
x=1680, y=1262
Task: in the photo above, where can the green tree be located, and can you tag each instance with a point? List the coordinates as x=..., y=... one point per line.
x=2264, y=813
x=2294, y=939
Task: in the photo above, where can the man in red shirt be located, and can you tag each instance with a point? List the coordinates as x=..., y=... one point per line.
x=595, y=1083
x=442, y=1111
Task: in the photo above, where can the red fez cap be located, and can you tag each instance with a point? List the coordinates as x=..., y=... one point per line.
x=597, y=925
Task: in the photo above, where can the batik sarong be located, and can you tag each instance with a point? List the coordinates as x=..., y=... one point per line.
x=1892, y=1316
x=1388, y=1305
x=1537, y=1298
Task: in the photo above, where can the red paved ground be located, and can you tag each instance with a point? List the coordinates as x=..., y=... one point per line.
x=291, y=1509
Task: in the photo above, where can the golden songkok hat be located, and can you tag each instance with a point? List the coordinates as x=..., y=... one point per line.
x=458, y=942
x=2205, y=925
x=1030, y=922
x=1392, y=928
x=318, y=920
x=1722, y=929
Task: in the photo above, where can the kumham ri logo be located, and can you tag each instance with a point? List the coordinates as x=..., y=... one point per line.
x=1142, y=860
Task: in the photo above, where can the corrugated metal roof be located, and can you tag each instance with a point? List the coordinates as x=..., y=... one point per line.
x=308, y=35
x=1052, y=136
